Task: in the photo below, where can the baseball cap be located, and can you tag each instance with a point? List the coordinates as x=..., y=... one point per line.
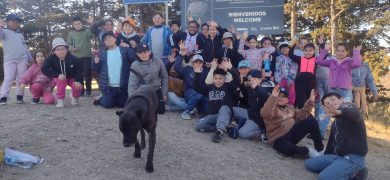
x=197, y=57
x=142, y=47
x=244, y=63
x=12, y=17
x=284, y=91
x=255, y=74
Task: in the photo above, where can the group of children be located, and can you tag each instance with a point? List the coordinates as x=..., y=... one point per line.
x=241, y=88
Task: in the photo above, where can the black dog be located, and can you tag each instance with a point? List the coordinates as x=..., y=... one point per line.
x=140, y=113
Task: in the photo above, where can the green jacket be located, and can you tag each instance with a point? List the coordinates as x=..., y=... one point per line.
x=81, y=40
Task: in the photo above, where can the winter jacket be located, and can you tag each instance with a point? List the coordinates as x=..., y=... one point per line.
x=82, y=41
x=35, y=75
x=166, y=33
x=188, y=74
x=14, y=45
x=128, y=57
x=256, y=99
x=153, y=73
x=340, y=74
x=348, y=132
x=212, y=48
x=279, y=120
x=232, y=54
x=362, y=77
x=126, y=39
x=255, y=56
x=285, y=69
x=53, y=67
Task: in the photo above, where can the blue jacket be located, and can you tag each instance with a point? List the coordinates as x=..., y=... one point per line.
x=188, y=74
x=362, y=77
x=166, y=33
x=128, y=56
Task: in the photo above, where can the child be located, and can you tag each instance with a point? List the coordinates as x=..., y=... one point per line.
x=306, y=80
x=79, y=42
x=302, y=41
x=156, y=37
x=66, y=70
x=128, y=38
x=228, y=51
x=285, y=72
x=362, y=77
x=114, y=69
x=347, y=146
x=266, y=68
x=253, y=54
x=340, y=69
x=286, y=126
x=253, y=125
x=212, y=46
x=40, y=85
x=16, y=57
x=174, y=38
x=241, y=95
x=192, y=97
x=201, y=38
x=150, y=71
x=101, y=27
x=220, y=96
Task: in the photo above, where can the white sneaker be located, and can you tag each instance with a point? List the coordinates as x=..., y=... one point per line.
x=74, y=101
x=60, y=103
x=313, y=153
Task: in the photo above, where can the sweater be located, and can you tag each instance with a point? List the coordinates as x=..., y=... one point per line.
x=82, y=41
x=279, y=120
x=53, y=67
x=188, y=74
x=153, y=73
x=340, y=74
x=348, y=133
x=362, y=77
x=218, y=96
x=35, y=75
x=14, y=45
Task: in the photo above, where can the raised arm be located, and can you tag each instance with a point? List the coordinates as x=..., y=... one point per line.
x=356, y=58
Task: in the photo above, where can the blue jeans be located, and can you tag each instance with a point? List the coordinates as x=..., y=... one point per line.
x=115, y=97
x=345, y=93
x=323, y=120
x=335, y=167
x=195, y=99
x=213, y=122
x=250, y=128
x=175, y=102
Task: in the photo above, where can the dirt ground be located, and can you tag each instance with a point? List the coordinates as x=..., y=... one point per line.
x=84, y=142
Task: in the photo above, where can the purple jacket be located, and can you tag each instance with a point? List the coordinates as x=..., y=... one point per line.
x=340, y=74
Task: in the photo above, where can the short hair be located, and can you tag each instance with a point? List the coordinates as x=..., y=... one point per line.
x=157, y=13
x=106, y=34
x=309, y=45
x=109, y=20
x=174, y=22
x=76, y=18
x=265, y=39
x=219, y=71
x=345, y=45
x=204, y=24
x=330, y=95
x=194, y=22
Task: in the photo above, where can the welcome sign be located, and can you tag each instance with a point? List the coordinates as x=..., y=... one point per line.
x=264, y=17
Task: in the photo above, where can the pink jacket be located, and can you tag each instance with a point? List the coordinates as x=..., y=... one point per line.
x=255, y=56
x=340, y=74
x=35, y=75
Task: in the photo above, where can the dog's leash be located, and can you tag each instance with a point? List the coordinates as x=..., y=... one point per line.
x=142, y=81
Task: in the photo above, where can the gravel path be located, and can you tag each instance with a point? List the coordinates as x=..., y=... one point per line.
x=84, y=142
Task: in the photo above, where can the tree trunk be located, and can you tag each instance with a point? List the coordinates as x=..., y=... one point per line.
x=293, y=18
x=333, y=26
x=101, y=8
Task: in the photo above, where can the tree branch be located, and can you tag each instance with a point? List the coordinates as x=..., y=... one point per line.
x=339, y=13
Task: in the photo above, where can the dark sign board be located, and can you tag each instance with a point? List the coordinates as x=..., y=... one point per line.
x=264, y=17
x=143, y=1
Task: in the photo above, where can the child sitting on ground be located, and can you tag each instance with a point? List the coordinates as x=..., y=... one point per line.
x=220, y=96
x=347, y=146
x=40, y=85
x=340, y=69
x=286, y=126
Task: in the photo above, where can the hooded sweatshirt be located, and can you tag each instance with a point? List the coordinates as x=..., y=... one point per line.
x=35, y=75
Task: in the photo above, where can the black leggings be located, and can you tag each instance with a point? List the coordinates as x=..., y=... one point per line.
x=286, y=144
x=304, y=83
x=86, y=63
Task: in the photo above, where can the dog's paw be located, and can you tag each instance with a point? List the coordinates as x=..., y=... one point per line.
x=149, y=167
x=137, y=155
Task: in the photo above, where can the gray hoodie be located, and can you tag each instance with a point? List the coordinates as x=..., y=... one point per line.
x=153, y=73
x=14, y=45
x=362, y=77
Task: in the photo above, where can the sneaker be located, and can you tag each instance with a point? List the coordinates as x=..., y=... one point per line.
x=232, y=132
x=217, y=137
x=3, y=101
x=96, y=101
x=263, y=137
x=60, y=103
x=193, y=112
x=35, y=101
x=74, y=101
x=88, y=93
x=19, y=99
x=361, y=174
x=186, y=115
x=313, y=153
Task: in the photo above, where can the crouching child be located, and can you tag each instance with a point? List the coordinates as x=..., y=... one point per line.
x=347, y=146
x=286, y=126
x=220, y=96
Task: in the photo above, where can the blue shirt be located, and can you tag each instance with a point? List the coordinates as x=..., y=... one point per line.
x=114, y=63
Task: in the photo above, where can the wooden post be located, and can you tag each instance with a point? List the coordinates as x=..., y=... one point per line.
x=166, y=14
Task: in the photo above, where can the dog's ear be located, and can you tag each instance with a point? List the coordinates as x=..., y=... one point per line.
x=119, y=113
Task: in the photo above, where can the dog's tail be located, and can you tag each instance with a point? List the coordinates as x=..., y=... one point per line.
x=143, y=143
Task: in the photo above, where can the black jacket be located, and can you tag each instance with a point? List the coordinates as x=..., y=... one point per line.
x=72, y=65
x=212, y=48
x=256, y=99
x=348, y=133
x=232, y=54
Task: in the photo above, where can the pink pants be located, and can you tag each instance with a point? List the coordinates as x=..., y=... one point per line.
x=61, y=88
x=38, y=90
x=13, y=70
x=291, y=91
